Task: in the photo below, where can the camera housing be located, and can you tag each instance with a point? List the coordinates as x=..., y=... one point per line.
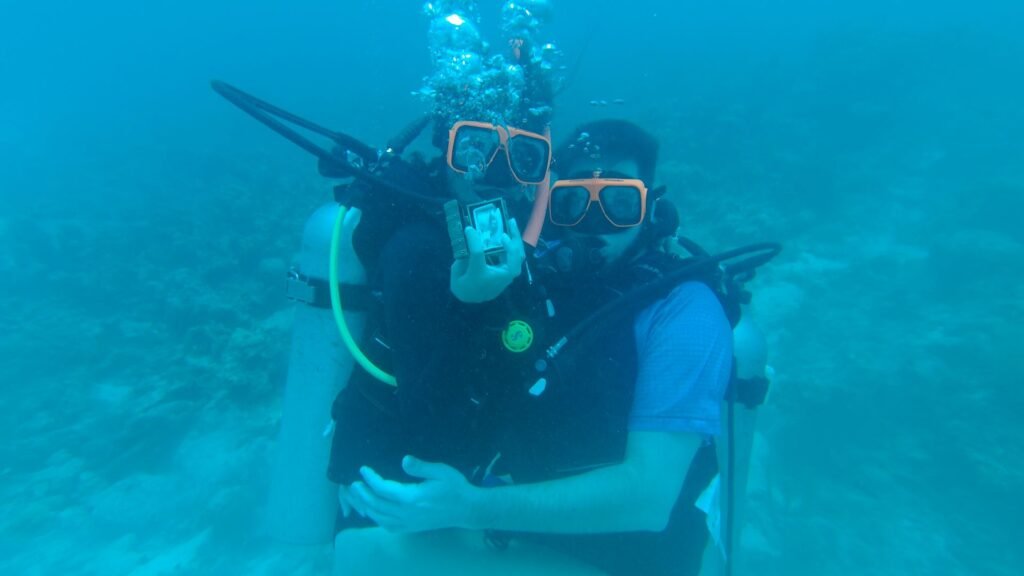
x=489, y=218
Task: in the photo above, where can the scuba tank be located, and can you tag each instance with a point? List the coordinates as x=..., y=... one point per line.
x=301, y=505
x=750, y=351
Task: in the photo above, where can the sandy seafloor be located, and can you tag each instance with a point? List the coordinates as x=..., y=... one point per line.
x=144, y=336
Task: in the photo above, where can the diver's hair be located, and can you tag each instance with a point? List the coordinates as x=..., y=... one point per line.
x=613, y=140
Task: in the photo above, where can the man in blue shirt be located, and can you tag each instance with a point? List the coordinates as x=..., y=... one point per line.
x=635, y=410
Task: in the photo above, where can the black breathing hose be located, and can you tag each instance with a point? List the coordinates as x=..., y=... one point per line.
x=759, y=254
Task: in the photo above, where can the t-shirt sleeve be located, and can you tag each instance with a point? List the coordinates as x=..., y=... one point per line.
x=684, y=354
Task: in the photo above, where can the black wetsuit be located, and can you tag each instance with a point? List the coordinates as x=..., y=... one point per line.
x=424, y=336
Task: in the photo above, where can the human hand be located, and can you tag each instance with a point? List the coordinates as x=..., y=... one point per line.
x=345, y=498
x=473, y=280
x=442, y=500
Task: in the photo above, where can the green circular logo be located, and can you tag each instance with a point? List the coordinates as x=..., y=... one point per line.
x=517, y=336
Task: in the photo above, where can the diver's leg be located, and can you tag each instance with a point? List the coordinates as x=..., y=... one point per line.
x=377, y=552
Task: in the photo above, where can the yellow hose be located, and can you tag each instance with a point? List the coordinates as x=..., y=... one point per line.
x=339, y=316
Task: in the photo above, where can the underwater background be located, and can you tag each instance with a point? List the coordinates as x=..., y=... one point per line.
x=146, y=227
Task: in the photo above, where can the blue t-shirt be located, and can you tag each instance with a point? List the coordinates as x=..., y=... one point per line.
x=684, y=358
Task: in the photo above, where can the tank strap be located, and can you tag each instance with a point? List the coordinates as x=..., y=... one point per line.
x=315, y=292
x=751, y=392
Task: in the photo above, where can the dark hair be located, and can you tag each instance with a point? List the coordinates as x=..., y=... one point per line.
x=613, y=140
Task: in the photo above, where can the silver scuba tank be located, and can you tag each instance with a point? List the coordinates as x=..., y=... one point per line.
x=302, y=502
x=750, y=351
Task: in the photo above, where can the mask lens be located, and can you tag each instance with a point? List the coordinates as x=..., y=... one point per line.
x=569, y=204
x=621, y=204
x=528, y=157
x=474, y=149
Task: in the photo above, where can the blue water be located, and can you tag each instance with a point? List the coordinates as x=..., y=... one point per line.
x=145, y=227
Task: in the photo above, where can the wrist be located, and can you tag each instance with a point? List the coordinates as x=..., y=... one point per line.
x=468, y=293
x=477, y=508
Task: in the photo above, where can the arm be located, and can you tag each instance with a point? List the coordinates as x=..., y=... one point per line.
x=636, y=494
x=676, y=405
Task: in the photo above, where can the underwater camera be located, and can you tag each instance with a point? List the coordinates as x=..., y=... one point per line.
x=489, y=218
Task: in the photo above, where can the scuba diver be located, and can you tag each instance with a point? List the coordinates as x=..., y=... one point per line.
x=374, y=281
x=496, y=159
x=590, y=454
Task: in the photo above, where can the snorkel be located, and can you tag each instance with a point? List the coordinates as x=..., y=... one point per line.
x=510, y=86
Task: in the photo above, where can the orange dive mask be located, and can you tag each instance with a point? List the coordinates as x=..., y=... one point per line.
x=473, y=146
x=623, y=201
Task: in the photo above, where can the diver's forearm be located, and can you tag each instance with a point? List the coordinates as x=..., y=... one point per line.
x=610, y=499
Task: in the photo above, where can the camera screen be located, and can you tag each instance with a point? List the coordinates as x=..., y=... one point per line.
x=489, y=220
